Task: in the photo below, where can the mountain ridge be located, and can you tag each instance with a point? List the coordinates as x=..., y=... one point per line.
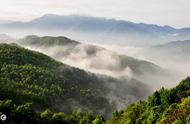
x=97, y=29
x=59, y=20
x=174, y=51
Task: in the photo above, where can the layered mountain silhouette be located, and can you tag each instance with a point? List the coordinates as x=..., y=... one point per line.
x=95, y=28
x=96, y=59
x=87, y=23
x=54, y=79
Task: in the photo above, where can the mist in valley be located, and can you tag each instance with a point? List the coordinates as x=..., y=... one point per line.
x=95, y=62
x=134, y=66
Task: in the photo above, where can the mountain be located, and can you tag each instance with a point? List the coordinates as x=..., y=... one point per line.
x=98, y=29
x=6, y=39
x=166, y=106
x=29, y=76
x=48, y=41
x=175, y=51
x=5, y=21
x=85, y=23
x=95, y=24
x=96, y=59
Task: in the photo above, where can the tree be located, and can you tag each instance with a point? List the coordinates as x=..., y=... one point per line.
x=46, y=116
x=188, y=120
x=98, y=120
x=59, y=118
x=155, y=99
x=25, y=114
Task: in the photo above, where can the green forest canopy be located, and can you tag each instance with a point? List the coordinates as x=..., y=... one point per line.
x=31, y=84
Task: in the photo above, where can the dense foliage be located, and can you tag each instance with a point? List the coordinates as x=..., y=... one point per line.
x=27, y=76
x=21, y=114
x=163, y=107
x=34, y=89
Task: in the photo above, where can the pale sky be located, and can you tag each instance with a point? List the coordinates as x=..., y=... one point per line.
x=162, y=12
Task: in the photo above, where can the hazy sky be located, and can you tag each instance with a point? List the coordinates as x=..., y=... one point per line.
x=162, y=12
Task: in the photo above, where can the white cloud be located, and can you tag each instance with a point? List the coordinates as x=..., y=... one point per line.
x=170, y=12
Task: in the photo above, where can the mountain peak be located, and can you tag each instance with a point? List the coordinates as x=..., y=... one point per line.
x=48, y=40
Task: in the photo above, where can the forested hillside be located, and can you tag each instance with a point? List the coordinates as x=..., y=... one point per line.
x=31, y=82
x=166, y=106
x=28, y=76
x=25, y=114
x=37, y=89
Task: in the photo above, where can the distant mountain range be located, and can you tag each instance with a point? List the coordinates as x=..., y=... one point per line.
x=5, y=38
x=87, y=23
x=5, y=21
x=99, y=28
x=175, y=51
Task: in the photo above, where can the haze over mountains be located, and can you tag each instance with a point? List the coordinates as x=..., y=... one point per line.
x=111, y=62
x=5, y=21
x=97, y=59
x=175, y=51
x=33, y=82
x=65, y=89
x=120, y=74
x=86, y=28
x=96, y=64
x=114, y=36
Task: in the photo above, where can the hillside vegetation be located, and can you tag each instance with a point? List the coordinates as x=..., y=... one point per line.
x=166, y=106
x=25, y=114
x=35, y=88
x=28, y=76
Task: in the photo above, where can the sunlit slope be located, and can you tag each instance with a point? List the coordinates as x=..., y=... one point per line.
x=166, y=106
x=28, y=76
